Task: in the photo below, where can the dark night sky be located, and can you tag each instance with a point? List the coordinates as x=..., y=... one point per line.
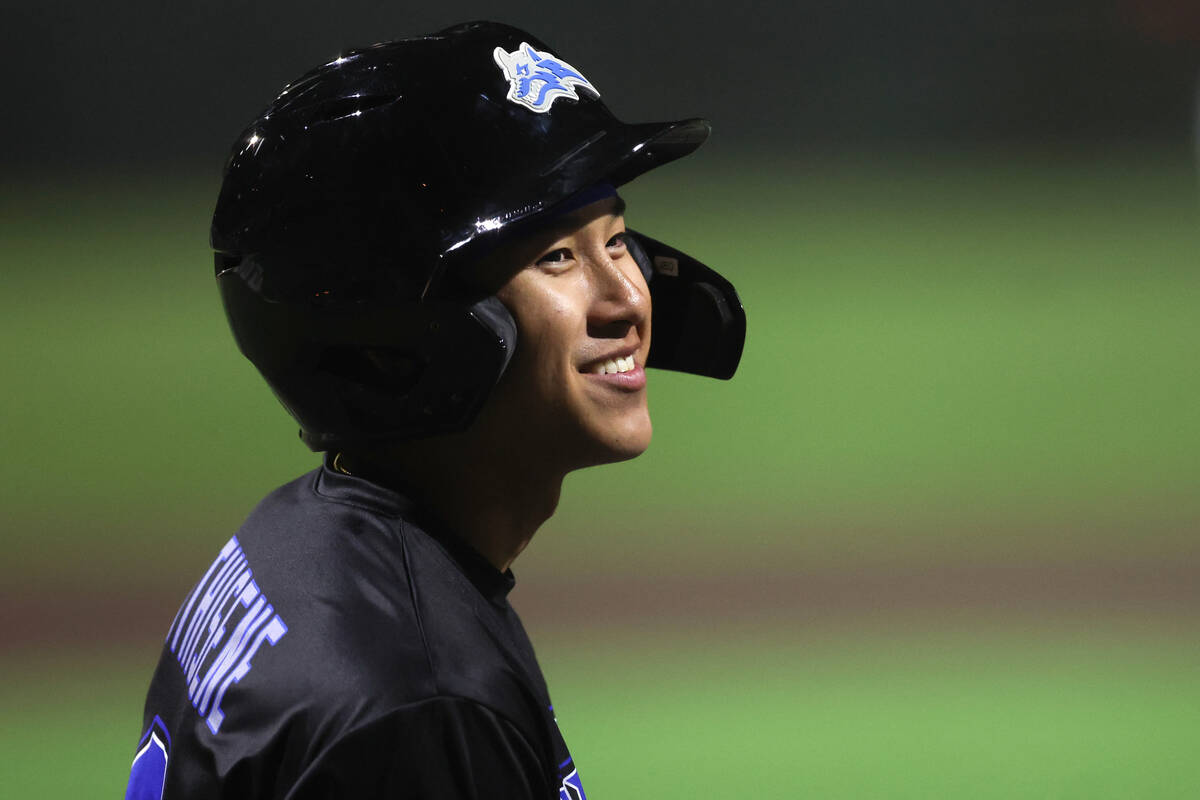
x=95, y=84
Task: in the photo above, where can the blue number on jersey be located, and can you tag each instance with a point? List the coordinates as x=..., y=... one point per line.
x=149, y=770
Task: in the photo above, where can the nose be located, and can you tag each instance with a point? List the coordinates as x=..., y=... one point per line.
x=620, y=298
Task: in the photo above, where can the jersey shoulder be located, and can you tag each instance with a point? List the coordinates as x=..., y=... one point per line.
x=329, y=611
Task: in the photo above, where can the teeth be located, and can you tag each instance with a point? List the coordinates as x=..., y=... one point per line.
x=613, y=366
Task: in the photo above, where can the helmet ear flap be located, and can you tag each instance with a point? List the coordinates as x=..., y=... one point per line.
x=420, y=382
x=698, y=323
x=370, y=373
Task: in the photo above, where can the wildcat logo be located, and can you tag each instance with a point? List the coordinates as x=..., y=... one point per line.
x=536, y=79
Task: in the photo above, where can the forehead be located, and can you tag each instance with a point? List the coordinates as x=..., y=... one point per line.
x=558, y=225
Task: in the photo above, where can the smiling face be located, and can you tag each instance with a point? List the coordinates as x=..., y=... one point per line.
x=575, y=391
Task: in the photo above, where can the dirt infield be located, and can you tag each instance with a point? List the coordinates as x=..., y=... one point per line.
x=71, y=615
x=1157, y=591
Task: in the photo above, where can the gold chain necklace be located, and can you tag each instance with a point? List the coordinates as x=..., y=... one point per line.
x=337, y=465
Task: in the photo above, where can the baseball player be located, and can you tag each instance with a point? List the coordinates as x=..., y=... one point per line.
x=421, y=247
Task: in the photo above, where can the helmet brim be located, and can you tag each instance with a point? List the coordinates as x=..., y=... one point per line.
x=651, y=145
x=615, y=156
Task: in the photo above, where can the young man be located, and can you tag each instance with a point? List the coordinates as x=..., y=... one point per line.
x=421, y=247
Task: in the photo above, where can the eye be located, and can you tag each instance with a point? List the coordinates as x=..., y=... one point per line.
x=617, y=242
x=555, y=258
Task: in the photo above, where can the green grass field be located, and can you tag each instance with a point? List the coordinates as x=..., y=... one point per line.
x=904, y=712
x=960, y=359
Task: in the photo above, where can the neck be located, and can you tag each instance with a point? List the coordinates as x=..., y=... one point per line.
x=488, y=496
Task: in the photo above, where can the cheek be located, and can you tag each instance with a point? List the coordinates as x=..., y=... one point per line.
x=548, y=327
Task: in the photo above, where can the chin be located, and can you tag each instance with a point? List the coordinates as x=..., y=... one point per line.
x=624, y=441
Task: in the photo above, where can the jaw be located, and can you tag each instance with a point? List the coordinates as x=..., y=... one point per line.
x=613, y=420
x=554, y=421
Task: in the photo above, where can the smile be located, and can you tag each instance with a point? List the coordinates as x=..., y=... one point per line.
x=619, y=372
x=613, y=366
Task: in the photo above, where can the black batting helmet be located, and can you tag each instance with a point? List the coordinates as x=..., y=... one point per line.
x=349, y=205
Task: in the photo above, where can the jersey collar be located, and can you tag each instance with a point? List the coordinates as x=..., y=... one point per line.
x=353, y=490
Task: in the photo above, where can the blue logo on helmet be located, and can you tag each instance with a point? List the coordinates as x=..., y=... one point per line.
x=536, y=79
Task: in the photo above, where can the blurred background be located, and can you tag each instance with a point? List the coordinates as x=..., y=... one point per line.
x=937, y=538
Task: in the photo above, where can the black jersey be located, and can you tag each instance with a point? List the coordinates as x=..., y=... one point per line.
x=342, y=646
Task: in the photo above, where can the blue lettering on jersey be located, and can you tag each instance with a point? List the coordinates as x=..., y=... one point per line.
x=148, y=773
x=218, y=630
